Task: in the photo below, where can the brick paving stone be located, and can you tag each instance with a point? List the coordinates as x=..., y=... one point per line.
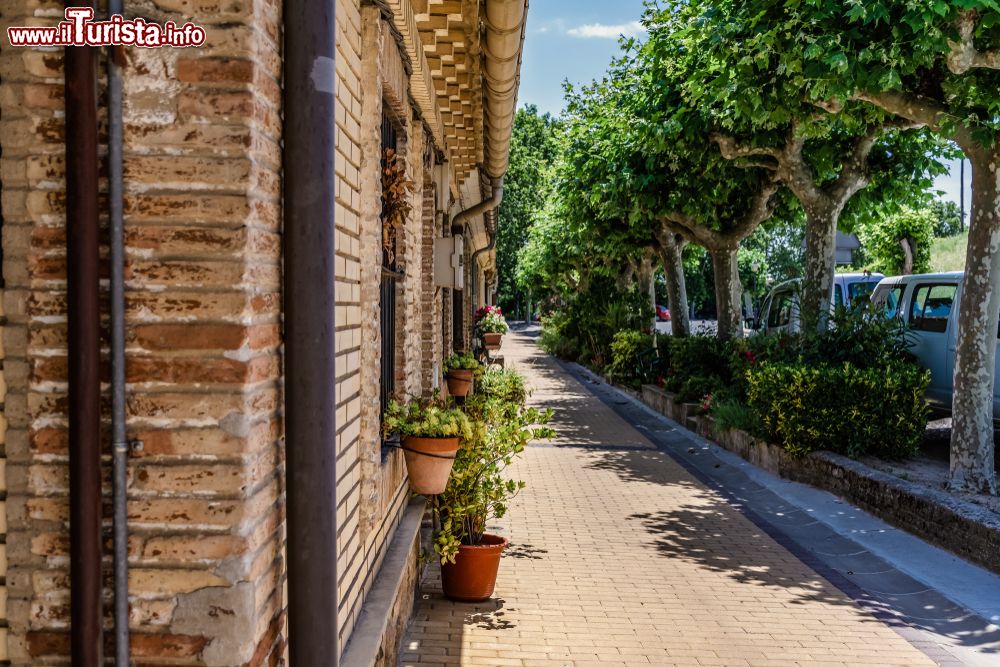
x=620, y=557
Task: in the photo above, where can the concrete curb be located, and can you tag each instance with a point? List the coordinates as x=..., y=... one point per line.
x=387, y=609
x=964, y=528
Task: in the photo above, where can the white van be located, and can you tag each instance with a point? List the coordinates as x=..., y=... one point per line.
x=928, y=304
x=780, y=311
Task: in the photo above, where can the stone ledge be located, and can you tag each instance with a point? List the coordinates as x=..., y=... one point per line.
x=387, y=609
x=966, y=529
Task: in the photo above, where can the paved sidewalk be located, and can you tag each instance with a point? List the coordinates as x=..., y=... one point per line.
x=620, y=556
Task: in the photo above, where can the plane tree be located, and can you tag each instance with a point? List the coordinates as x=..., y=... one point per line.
x=933, y=64
x=635, y=147
x=838, y=167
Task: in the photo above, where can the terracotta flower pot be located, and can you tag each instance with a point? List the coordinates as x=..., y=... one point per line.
x=429, y=462
x=492, y=341
x=473, y=575
x=459, y=382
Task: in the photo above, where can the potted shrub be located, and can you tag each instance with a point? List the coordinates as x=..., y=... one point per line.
x=431, y=436
x=491, y=326
x=460, y=370
x=478, y=490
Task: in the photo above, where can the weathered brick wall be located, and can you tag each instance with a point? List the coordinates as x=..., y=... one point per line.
x=202, y=174
x=371, y=492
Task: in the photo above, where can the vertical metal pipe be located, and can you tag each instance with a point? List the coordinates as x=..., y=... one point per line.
x=82, y=257
x=119, y=443
x=961, y=194
x=309, y=335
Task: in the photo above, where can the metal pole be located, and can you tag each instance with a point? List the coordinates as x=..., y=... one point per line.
x=84, y=348
x=961, y=194
x=309, y=335
x=119, y=443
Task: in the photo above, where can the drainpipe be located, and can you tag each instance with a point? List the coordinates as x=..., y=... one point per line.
x=462, y=218
x=475, y=267
x=119, y=442
x=481, y=208
x=309, y=330
x=84, y=349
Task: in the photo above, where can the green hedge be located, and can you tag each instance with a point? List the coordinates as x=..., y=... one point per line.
x=844, y=409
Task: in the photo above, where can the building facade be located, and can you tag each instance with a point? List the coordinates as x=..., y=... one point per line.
x=431, y=82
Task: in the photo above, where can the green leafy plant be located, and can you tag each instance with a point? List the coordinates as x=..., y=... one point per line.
x=732, y=414
x=462, y=362
x=900, y=243
x=478, y=489
x=426, y=419
x=504, y=384
x=841, y=408
x=626, y=346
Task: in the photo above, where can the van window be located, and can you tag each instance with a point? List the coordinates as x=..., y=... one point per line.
x=781, y=310
x=838, y=296
x=887, y=300
x=931, y=307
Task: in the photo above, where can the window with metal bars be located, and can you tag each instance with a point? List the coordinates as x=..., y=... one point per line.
x=387, y=298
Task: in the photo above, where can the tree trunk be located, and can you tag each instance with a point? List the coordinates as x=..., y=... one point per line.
x=646, y=276
x=671, y=255
x=652, y=296
x=821, y=265
x=727, y=293
x=972, y=449
x=907, y=246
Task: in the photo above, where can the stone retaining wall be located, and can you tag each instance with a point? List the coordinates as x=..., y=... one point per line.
x=964, y=528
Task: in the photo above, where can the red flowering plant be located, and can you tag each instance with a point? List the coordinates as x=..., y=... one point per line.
x=489, y=319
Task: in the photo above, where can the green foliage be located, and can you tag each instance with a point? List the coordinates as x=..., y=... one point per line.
x=699, y=365
x=582, y=328
x=861, y=338
x=733, y=414
x=841, y=408
x=947, y=218
x=478, y=489
x=533, y=150
x=506, y=385
x=426, y=419
x=625, y=349
x=463, y=361
x=882, y=241
x=948, y=254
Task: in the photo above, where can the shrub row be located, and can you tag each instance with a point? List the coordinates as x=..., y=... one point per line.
x=853, y=389
x=844, y=409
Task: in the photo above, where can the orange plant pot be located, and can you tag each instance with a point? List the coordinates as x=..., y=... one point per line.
x=459, y=382
x=492, y=341
x=473, y=575
x=429, y=462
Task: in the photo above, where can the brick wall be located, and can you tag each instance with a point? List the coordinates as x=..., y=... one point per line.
x=203, y=220
x=431, y=344
x=202, y=206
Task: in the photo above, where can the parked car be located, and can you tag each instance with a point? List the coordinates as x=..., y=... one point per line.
x=780, y=311
x=662, y=314
x=928, y=305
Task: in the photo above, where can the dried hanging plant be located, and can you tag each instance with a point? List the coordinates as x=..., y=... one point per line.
x=396, y=189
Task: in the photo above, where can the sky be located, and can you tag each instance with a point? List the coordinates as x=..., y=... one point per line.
x=575, y=40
